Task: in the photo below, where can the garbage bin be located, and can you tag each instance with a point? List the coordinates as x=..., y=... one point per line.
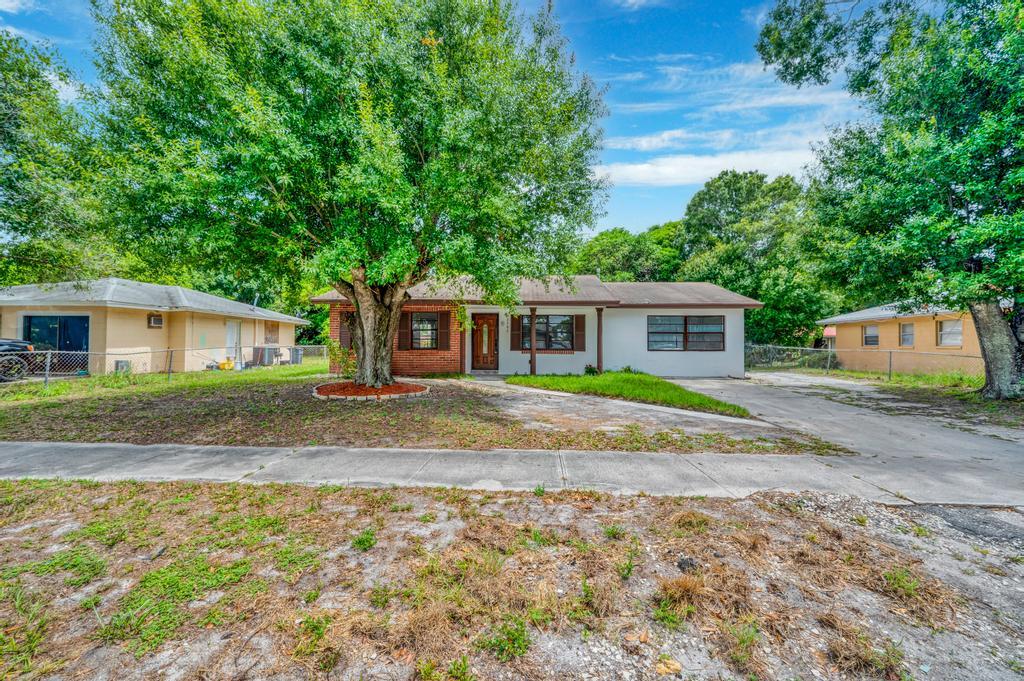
x=296, y=356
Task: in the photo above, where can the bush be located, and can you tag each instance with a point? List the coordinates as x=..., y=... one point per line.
x=591, y=370
x=343, y=360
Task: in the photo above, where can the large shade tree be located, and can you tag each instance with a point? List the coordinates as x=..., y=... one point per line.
x=368, y=144
x=925, y=201
x=47, y=215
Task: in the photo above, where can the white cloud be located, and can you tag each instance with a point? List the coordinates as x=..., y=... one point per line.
x=659, y=58
x=636, y=4
x=16, y=6
x=631, y=77
x=692, y=169
x=756, y=15
x=677, y=138
x=66, y=92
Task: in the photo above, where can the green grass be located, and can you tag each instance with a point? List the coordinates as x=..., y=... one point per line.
x=80, y=562
x=156, y=383
x=631, y=386
x=156, y=607
x=508, y=640
x=941, y=380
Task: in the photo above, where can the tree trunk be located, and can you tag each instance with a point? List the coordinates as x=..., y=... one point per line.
x=373, y=327
x=1002, y=349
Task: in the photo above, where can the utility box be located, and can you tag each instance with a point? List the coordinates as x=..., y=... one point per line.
x=122, y=366
x=296, y=355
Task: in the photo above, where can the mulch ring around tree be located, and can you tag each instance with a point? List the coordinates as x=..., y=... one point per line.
x=348, y=390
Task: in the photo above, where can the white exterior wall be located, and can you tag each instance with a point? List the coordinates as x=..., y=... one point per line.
x=518, y=362
x=625, y=344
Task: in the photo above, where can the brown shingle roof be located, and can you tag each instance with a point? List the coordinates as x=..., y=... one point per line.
x=677, y=294
x=588, y=290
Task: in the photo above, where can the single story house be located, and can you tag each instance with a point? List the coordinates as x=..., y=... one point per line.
x=664, y=328
x=104, y=325
x=922, y=340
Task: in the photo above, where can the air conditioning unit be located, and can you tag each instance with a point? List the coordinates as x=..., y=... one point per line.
x=155, y=321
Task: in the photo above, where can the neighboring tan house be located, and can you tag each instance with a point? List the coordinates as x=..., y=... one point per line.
x=924, y=340
x=668, y=329
x=118, y=321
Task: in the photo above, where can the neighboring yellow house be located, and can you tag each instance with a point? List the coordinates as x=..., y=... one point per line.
x=130, y=325
x=927, y=340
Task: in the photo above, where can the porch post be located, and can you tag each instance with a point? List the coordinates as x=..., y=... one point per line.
x=600, y=339
x=533, y=341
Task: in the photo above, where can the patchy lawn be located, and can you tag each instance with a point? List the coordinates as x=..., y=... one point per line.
x=188, y=580
x=279, y=410
x=631, y=386
x=953, y=395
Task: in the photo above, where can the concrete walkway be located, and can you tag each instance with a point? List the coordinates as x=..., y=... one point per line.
x=724, y=475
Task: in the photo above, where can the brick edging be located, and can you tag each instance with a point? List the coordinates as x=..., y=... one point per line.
x=370, y=398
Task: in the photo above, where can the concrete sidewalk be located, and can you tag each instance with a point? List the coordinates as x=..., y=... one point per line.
x=720, y=475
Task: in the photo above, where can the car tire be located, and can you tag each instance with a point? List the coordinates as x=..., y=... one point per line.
x=12, y=369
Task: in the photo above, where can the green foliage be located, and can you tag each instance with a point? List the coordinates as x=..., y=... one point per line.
x=365, y=540
x=363, y=145
x=80, y=561
x=751, y=236
x=24, y=627
x=924, y=202
x=508, y=640
x=48, y=211
x=157, y=606
x=740, y=231
x=636, y=387
x=618, y=255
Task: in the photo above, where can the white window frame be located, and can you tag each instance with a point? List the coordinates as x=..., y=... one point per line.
x=864, y=336
x=912, y=334
x=941, y=335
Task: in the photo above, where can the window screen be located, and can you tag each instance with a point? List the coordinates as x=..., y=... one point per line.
x=870, y=334
x=951, y=332
x=907, y=334
x=676, y=332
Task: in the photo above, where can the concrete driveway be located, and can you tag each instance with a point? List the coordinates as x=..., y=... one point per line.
x=921, y=457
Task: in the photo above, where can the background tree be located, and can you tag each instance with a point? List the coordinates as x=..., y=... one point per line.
x=924, y=202
x=369, y=145
x=619, y=255
x=47, y=217
x=753, y=237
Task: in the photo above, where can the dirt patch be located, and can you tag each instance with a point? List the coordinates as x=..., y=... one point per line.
x=188, y=580
x=454, y=415
x=350, y=390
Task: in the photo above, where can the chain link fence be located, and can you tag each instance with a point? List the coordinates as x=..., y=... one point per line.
x=49, y=365
x=883, y=362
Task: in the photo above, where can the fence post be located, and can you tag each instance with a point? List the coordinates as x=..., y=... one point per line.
x=46, y=374
x=828, y=360
x=170, y=363
x=890, y=365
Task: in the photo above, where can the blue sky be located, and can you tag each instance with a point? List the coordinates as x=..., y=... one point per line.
x=686, y=93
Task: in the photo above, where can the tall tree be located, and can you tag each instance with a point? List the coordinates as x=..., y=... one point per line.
x=47, y=214
x=619, y=255
x=925, y=201
x=369, y=143
x=751, y=235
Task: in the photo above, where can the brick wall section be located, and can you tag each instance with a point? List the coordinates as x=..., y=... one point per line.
x=416, y=362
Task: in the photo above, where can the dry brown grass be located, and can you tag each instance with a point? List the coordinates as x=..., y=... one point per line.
x=854, y=652
x=446, y=583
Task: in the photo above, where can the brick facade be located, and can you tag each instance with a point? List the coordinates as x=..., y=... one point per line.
x=417, y=362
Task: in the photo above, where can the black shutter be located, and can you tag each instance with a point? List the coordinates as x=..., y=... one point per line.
x=344, y=330
x=405, y=331
x=444, y=323
x=516, y=334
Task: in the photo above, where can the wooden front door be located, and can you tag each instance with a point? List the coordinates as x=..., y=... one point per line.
x=485, y=341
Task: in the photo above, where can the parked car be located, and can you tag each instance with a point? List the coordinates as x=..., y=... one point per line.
x=14, y=358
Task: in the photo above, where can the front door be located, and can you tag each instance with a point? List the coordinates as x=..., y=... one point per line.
x=485, y=341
